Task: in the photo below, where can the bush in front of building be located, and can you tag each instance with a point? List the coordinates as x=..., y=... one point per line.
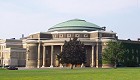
x=129, y=58
x=73, y=53
x=113, y=53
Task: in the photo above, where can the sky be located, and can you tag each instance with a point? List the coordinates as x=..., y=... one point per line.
x=26, y=17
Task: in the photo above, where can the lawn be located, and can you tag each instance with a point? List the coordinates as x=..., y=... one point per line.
x=75, y=74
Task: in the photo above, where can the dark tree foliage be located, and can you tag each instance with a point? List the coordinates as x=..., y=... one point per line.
x=113, y=52
x=132, y=56
x=73, y=53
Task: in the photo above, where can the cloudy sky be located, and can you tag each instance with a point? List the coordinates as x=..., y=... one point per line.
x=19, y=17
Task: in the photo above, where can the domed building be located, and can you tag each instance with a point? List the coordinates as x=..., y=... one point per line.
x=42, y=47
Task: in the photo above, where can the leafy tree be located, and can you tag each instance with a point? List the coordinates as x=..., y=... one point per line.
x=113, y=52
x=73, y=53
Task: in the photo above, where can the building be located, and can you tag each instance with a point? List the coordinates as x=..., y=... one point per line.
x=132, y=56
x=12, y=53
x=42, y=47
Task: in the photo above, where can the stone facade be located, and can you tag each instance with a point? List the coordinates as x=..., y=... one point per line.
x=12, y=53
x=43, y=47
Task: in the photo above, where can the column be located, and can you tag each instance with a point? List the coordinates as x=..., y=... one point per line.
x=2, y=60
x=61, y=51
x=27, y=53
x=51, y=56
x=44, y=56
x=92, y=56
x=97, y=53
x=38, y=62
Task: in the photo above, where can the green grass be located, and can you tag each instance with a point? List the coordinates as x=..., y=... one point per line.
x=75, y=74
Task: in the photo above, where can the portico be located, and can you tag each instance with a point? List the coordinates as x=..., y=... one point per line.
x=46, y=54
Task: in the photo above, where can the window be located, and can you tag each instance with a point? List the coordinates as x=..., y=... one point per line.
x=77, y=35
x=68, y=35
x=60, y=35
x=85, y=35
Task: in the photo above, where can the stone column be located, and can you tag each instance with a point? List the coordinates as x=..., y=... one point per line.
x=92, y=56
x=61, y=51
x=99, y=52
x=51, y=56
x=98, y=55
x=27, y=54
x=2, y=59
x=44, y=56
x=38, y=59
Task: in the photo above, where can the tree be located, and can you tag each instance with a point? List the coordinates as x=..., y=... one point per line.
x=73, y=53
x=113, y=52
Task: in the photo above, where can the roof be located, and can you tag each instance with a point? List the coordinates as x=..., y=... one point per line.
x=75, y=25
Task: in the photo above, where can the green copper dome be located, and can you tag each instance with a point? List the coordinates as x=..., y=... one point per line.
x=75, y=25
